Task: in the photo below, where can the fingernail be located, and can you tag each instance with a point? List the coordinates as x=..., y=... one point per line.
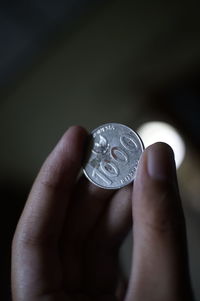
x=160, y=161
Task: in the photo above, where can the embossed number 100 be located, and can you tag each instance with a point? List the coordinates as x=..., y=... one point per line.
x=109, y=169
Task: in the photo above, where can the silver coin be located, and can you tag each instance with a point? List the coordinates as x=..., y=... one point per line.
x=113, y=154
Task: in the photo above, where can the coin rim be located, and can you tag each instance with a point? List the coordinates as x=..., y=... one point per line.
x=142, y=147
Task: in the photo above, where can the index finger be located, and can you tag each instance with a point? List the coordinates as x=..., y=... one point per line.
x=35, y=263
x=45, y=209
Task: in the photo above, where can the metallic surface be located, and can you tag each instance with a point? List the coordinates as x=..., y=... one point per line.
x=113, y=154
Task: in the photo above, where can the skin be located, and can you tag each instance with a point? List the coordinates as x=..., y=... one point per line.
x=67, y=240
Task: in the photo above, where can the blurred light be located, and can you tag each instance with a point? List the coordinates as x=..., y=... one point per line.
x=155, y=131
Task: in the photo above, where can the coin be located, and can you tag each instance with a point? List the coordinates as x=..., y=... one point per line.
x=113, y=155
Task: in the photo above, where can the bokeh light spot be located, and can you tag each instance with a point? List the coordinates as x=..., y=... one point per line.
x=157, y=131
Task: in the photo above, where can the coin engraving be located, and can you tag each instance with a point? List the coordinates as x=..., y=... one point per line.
x=101, y=146
x=113, y=156
x=119, y=155
x=109, y=168
x=108, y=127
x=96, y=172
x=128, y=142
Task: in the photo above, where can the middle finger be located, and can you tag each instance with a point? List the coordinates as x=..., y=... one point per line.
x=86, y=208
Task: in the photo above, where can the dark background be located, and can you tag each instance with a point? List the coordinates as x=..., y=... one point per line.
x=92, y=62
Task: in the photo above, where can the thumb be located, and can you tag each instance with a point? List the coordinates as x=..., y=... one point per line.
x=160, y=265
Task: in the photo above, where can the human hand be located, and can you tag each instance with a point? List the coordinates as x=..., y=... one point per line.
x=66, y=244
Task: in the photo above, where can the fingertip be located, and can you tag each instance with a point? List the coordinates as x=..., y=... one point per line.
x=158, y=162
x=77, y=129
x=156, y=192
x=73, y=140
x=160, y=146
x=64, y=161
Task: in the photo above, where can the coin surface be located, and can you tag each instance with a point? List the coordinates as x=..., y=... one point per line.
x=113, y=155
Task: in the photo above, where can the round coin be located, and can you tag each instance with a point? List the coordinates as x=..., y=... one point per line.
x=113, y=155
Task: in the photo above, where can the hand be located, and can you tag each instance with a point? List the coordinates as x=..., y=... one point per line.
x=67, y=240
